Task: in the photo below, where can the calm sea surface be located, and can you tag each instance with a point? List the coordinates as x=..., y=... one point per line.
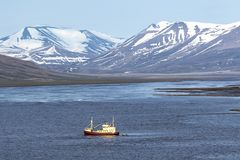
x=46, y=123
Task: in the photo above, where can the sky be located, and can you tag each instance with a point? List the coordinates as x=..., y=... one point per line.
x=121, y=18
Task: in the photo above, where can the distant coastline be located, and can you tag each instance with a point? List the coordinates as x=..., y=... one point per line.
x=226, y=91
x=74, y=79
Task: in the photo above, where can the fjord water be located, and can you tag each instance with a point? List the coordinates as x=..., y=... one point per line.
x=47, y=123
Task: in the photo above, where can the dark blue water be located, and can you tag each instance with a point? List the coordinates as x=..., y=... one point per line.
x=47, y=123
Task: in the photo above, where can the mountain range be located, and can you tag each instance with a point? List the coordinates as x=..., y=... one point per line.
x=164, y=47
x=58, y=48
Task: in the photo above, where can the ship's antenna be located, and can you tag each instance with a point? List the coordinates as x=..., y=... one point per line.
x=113, y=121
x=91, y=124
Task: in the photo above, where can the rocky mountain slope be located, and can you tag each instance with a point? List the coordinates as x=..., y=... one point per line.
x=13, y=69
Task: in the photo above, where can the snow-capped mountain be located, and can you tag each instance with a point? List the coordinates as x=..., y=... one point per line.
x=160, y=48
x=176, y=47
x=56, y=46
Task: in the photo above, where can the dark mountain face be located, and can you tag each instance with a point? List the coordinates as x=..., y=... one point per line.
x=12, y=69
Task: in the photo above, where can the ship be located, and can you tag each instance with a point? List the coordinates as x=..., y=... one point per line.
x=108, y=129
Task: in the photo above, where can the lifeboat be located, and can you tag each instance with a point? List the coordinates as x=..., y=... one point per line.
x=108, y=129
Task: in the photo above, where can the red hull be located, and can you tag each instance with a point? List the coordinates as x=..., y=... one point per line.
x=88, y=133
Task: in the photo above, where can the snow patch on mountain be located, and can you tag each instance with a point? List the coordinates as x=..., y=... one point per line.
x=108, y=37
x=145, y=38
x=72, y=40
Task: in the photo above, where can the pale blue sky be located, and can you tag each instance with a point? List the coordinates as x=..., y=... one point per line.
x=121, y=18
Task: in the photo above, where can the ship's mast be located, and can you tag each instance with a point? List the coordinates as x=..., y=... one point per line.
x=91, y=123
x=113, y=121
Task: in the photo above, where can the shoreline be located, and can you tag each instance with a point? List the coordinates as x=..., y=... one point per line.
x=81, y=79
x=225, y=91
